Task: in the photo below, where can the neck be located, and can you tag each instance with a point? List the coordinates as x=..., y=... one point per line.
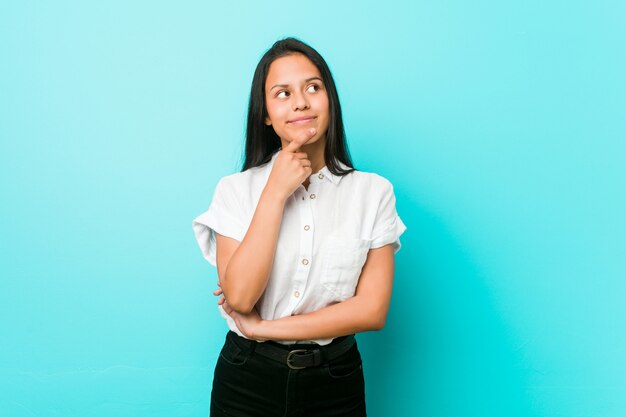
x=315, y=155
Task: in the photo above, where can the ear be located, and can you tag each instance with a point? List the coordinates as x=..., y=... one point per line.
x=268, y=121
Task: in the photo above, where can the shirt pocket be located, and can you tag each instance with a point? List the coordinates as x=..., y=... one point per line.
x=343, y=261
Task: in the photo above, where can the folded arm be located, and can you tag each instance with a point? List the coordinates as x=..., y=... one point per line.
x=365, y=311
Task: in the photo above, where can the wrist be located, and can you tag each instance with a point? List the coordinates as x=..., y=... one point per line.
x=273, y=195
x=260, y=331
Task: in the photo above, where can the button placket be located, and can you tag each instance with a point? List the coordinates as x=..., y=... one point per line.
x=306, y=246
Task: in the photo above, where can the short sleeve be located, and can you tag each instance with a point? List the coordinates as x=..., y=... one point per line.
x=388, y=226
x=223, y=216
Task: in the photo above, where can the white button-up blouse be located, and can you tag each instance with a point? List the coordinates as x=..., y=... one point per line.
x=324, y=237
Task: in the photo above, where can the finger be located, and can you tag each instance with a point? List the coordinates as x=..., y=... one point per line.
x=219, y=284
x=221, y=301
x=308, y=134
x=218, y=291
x=295, y=144
x=226, y=307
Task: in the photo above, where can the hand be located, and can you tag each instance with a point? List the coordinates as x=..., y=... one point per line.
x=219, y=291
x=291, y=168
x=249, y=324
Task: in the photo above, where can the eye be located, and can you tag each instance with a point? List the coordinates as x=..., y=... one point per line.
x=317, y=87
x=281, y=92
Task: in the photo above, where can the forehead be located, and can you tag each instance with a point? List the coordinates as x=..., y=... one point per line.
x=291, y=69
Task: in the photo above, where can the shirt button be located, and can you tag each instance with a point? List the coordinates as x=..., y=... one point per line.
x=307, y=227
x=312, y=196
x=305, y=261
x=321, y=176
x=296, y=294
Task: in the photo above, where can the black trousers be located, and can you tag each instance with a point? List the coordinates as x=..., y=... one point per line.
x=246, y=384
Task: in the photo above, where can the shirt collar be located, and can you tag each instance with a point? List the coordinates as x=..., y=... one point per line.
x=327, y=174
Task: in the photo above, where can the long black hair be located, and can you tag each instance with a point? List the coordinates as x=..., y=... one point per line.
x=261, y=139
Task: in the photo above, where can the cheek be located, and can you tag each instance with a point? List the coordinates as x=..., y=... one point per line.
x=277, y=112
x=322, y=103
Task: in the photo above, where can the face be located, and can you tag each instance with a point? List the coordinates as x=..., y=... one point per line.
x=294, y=90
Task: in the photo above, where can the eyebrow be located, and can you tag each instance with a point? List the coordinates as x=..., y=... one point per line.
x=306, y=81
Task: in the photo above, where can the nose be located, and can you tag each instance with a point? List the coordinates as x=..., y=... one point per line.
x=300, y=102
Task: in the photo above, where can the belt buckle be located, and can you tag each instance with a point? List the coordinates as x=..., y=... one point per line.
x=289, y=358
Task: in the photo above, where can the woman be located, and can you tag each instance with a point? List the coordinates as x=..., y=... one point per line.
x=304, y=247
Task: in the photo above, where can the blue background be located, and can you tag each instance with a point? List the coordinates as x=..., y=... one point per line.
x=500, y=124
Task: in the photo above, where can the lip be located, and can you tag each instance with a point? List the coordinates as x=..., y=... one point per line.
x=302, y=120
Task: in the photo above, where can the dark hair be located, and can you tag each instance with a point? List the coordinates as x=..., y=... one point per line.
x=261, y=139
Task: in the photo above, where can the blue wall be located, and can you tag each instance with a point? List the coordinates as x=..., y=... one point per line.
x=501, y=125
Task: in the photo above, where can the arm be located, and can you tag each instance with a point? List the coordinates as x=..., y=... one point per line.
x=366, y=310
x=244, y=268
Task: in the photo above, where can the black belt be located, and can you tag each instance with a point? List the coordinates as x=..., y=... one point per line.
x=297, y=358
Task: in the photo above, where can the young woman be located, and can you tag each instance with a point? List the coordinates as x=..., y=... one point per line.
x=304, y=247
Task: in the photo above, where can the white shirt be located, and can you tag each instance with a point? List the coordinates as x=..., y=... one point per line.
x=324, y=237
